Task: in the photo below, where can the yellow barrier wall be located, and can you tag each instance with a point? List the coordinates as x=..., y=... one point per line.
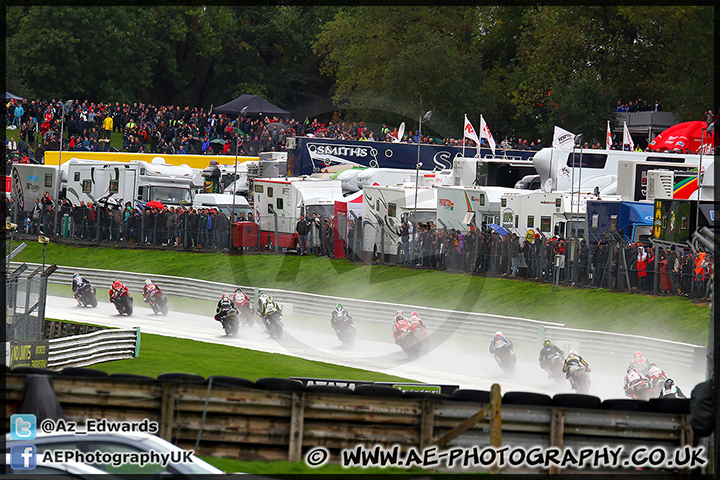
x=194, y=161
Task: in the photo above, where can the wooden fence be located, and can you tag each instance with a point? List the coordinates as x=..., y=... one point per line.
x=255, y=424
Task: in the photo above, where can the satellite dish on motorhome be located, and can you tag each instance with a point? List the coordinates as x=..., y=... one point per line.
x=157, y=160
x=401, y=132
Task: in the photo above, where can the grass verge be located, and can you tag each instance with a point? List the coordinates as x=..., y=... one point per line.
x=159, y=354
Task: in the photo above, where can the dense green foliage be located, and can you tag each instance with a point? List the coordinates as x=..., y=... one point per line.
x=672, y=318
x=525, y=68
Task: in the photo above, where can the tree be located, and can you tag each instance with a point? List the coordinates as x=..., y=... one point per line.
x=402, y=61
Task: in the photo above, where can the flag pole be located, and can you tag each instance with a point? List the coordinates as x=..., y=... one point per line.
x=463, y=138
x=479, y=145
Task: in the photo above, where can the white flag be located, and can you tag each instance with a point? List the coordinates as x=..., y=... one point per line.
x=562, y=138
x=627, y=139
x=485, y=133
x=469, y=132
x=561, y=168
x=608, y=142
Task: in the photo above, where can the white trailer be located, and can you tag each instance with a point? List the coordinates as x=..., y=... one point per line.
x=287, y=198
x=224, y=203
x=586, y=170
x=632, y=176
x=29, y=182
x=136, y=181
x=454, y=203
x=553, y=213
x=384, y=210
x=501, y=172
x=387, y=176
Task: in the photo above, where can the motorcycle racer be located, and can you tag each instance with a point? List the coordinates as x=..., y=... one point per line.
x=415, y=320
x=266, y=305
x=573, y=359
x=224, y=307
x=239, y=297
x=640, y=363
x=670, y=390
x=77, y=283
x=149, y=289
x=634, y=381
x=400, y=326
x=499, y=341
x=339, y=315
x=117, y=289
x=546, y=353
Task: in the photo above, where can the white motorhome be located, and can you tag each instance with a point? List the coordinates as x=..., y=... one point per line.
x=287, y=198
x=501, y=172
x=224, y=203
x=136, y=181
x=454, y=203
x=590, y=169
x=387, y=176
x=547, y=213
x=384, y=210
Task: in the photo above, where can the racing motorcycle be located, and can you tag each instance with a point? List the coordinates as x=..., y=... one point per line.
x=345, y=330
x=157, y=301
x=505, y=358
x=86, y=295
x=245, y=311
x=641, y=390
x=414, y=341
x=123, y=303
x=273, y=321
x=229, y=321
x=579, y=378
x=554, y=366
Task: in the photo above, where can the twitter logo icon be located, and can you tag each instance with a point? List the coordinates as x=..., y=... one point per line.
x=23, y=426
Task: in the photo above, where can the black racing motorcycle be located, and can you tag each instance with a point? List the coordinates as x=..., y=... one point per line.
x=86, y=295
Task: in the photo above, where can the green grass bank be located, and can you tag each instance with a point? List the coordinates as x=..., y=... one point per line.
x=671, y=318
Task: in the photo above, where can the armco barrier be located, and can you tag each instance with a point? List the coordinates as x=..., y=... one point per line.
x=92, y=348
x=467, y=324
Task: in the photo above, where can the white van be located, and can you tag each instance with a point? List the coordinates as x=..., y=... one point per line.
x=222, y=202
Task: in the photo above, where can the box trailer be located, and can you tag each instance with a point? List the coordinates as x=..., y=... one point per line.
x=547, y=213
x=29, y=182
x=633, y=176
x=282, y=200
x=454, y=203
x=384, y=210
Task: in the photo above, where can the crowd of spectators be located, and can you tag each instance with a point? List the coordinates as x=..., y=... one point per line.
x=87, y=126
x=639, y=106
x=176, y=130
x=487, y=252
x=616, y=265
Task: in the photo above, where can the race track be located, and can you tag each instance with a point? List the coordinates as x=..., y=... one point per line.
x=450, y=362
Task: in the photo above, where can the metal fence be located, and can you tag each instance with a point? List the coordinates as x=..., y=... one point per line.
x=25, y=308
x=443, y=321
